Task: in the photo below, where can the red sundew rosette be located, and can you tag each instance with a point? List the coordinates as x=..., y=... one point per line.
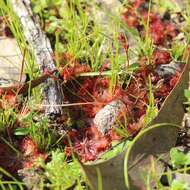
x=129, y=168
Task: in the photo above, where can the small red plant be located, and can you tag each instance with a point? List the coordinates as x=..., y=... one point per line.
x=30, y=152
x=161, y=57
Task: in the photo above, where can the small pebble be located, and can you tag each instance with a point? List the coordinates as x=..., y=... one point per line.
x=107, y=117
x=167, y=69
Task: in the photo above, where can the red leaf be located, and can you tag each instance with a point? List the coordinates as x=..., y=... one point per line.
x=161, y=57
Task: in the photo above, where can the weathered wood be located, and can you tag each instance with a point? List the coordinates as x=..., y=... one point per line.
x=40, y=45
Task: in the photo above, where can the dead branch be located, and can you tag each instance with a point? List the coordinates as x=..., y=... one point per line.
x=41, y=47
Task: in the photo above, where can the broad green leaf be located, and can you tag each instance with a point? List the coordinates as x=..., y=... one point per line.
x=21, y=131
x=179, y=158
x=187, y=93
x=178, y=185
